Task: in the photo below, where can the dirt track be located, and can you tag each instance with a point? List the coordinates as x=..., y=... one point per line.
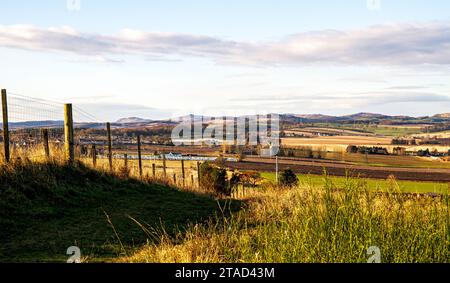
x=340, y=169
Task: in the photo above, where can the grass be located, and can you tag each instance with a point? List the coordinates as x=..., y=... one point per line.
x=46, y=208
x=312, y=224
x=372, y=184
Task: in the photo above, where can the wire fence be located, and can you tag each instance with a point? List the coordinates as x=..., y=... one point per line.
x=36, y=132
x=28, y=118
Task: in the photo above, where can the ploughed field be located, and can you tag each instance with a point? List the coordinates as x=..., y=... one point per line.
x=310, y=166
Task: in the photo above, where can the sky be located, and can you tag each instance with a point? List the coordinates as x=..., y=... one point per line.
x=167, y=58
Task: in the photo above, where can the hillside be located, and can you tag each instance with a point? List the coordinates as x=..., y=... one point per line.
x=135, y=122
x=132, y=120
x=44, y=209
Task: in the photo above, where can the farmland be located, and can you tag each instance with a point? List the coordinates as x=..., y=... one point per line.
x=117, y=215
x=372, y=184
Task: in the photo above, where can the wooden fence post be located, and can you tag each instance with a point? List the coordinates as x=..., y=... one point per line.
x=139, y=155
x=5, y=126
x=183, y=173
x=68, y=134
x=108, y=130
x=164, y=165
x=45, y=140
x=198, y=174
x=94, y=155
x=192, y=180
x=125, y=161
x=154, y=170
x=175, y=179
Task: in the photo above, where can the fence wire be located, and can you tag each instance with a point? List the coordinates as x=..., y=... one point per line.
x=32, y=121
x=28, y=117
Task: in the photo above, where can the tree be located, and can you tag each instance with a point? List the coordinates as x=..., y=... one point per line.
x=214, y=179
x=288, y=179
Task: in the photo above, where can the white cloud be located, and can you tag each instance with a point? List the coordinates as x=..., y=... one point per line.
x=394, y=44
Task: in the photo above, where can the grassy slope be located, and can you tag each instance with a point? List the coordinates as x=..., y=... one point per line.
x=317, y=224
x=44, y=209
x=373, y=184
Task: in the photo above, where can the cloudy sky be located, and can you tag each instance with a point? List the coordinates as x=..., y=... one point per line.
x=156, y=59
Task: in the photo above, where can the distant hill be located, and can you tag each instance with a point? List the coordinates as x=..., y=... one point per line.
x=442, y=116
x=136, y=122
x=36, y=124
x=132, y=120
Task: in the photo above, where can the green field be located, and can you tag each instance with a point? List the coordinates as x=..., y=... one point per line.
x=397, y=131
x=404, y=186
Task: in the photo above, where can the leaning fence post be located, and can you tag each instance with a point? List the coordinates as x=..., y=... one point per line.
x=46, y=146
x=108, y=130
x=5, y=126
x=68, y=133
x=139, y=155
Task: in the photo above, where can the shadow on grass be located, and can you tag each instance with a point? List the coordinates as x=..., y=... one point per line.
x=44, y=209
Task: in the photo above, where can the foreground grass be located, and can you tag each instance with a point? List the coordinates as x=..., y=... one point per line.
x=372, y=184
x=310, y=224
x=46, y=208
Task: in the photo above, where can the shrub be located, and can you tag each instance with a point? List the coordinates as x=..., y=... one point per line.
x=214, y=179
x=288, y=179
x=251, y=178
x=235, y=179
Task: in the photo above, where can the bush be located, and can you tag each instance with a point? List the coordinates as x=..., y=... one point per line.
x=214, y=179
x=288, y=179
x=251, y=178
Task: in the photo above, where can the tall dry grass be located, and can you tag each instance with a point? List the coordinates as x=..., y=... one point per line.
x=316, y=225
